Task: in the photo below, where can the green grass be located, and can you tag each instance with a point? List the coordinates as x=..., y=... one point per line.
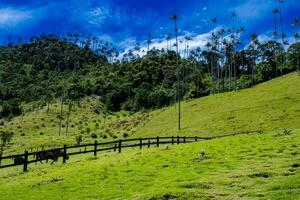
x=268, y=106
x=263, y=166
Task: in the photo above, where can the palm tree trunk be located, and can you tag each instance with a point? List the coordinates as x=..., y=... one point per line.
x=68, y=117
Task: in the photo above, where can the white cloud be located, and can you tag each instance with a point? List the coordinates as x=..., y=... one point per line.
x=11, y=17
x=196, y=41
x=98, y=15
x=204, y=8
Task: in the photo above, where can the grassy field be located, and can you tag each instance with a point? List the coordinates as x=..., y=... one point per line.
x=263, y=166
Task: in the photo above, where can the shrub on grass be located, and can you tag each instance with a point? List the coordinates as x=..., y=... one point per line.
x=78, y=139
x=88, y=130
x=1, y=123
x=22, y=134
x=41, y=133
x=94, y=135
x=287, y=132
x=202, y=152
x=125, y=135
x=104, y=136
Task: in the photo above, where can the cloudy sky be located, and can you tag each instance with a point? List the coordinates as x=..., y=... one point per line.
x=125, y=22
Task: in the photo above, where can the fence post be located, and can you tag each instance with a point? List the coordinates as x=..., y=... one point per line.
x=120, y=145
x=148, y=143
x=196, y=139
x=172, y=140
x=25, y=161
x=177, y=139
x=183, y=139
x=0, y=158
x=157, y=141
x=95, y=148
x=141, y=143
x=65, y=154
x=115, y=148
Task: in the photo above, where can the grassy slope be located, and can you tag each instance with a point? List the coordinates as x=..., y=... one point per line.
x=242, y=167
x=248, y=167
x=268, y=106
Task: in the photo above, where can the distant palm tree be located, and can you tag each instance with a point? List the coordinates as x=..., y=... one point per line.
x=168, y=38
x=175, y=19
x=255, y=43
x=233, y=37
x=275, y=11
x=213, y=52
x=296, y=24
x=284, y=42
x=149, y=41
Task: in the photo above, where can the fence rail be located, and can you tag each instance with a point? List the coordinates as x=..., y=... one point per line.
x=118, y=145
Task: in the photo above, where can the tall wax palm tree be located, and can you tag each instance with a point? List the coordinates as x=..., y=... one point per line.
x=213, y=52
x=175, y=19
x=149, y=41
x=284, y=42
x=254, y=41
x=220, y=34
x=233, y=37
x=296, y=24
x=275, y=11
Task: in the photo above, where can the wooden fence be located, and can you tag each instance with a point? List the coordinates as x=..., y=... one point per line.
x=66, y=151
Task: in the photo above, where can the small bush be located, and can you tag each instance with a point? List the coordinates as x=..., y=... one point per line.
x=22, y=134
x=94, y=135
x=72, y=125
x=63, y=126
x=115, y=137
x=104, y=136
x=125, y=135
x=78, y=139
x=202, y=152
x=1, y=123
x=88, y=130
x=41, y=133
x=287, y=132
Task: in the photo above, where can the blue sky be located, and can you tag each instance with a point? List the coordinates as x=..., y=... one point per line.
x=124, y=22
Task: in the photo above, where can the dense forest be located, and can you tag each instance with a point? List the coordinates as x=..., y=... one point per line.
x=51, y=67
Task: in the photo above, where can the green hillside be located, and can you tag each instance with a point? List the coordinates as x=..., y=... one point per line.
x=261, y=166
x=269, y=106
x=243, y=167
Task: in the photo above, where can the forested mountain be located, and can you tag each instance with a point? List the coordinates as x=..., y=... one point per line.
x=47, y=68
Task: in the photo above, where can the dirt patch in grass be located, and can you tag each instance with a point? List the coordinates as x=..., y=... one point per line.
x=260, y=175
x=53, y=180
